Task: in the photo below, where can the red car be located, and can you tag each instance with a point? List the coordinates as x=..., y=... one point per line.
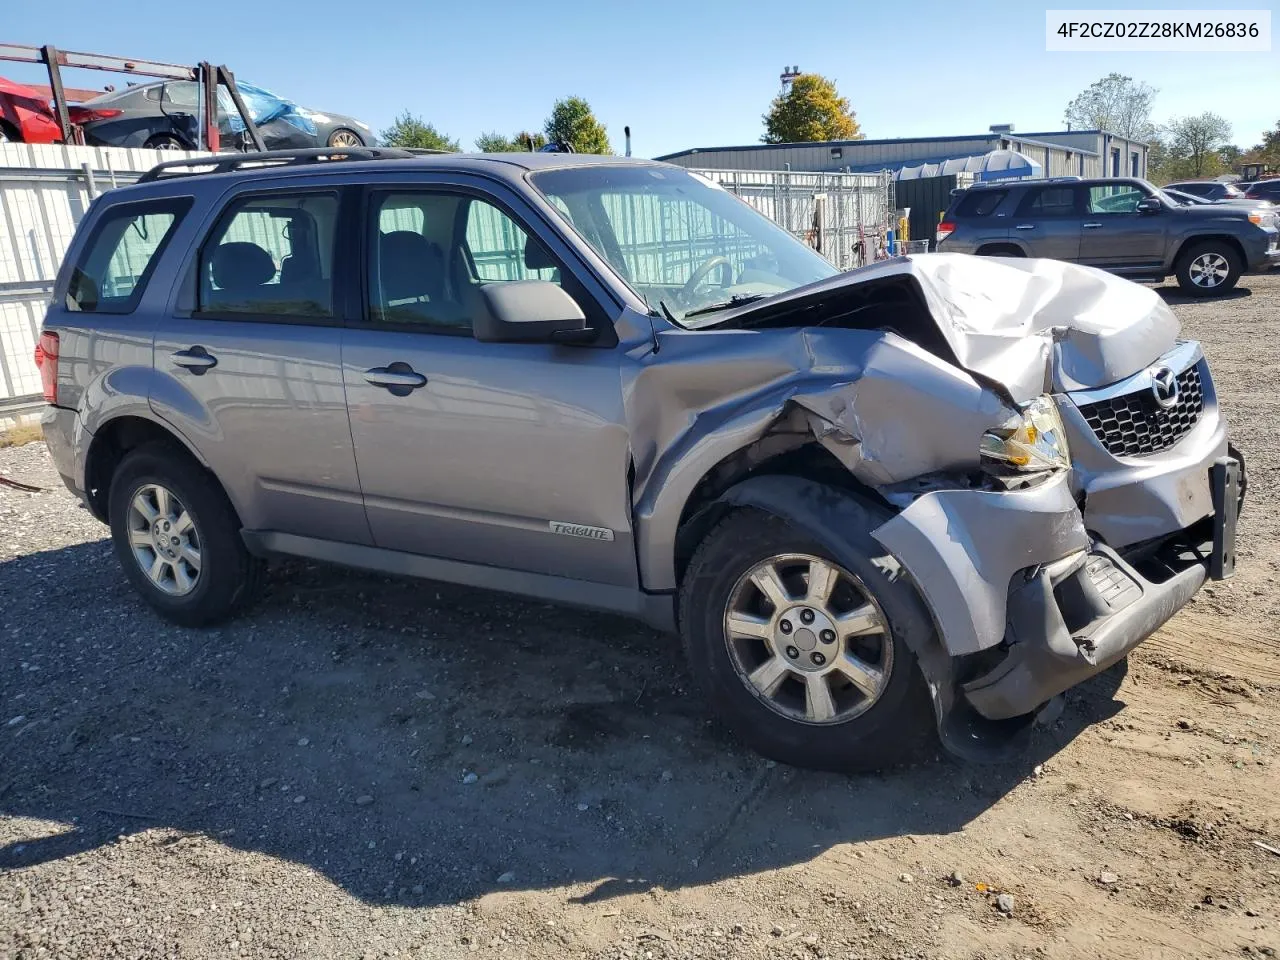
x=25, y=115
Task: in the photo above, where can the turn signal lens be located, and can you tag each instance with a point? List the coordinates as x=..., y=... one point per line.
x=1034, y=441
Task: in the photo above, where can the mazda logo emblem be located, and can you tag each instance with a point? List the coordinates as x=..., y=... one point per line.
x=1164, y=387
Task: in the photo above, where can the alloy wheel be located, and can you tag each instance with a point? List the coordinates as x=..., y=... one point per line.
x=344, y=138
x=1208, y=270
x=808, y=639
x=164, y=540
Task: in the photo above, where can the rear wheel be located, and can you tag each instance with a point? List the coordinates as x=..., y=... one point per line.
x=165, y=141
x=1000, y=250
x=1208, y=269
x=178, y=537
x=803, y=654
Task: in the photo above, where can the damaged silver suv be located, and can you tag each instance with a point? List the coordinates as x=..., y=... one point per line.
x=943, y=487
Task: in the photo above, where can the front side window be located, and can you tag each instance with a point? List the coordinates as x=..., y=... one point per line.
x=271, y=256
x=432, y=253
x=114, y=266
x=1117, y=198
x=680, y=241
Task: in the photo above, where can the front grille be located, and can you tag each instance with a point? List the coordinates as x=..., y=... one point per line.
x=1134, y=425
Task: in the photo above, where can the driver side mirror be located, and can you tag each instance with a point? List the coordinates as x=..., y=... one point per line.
x=530, y=311
x=1149, y=205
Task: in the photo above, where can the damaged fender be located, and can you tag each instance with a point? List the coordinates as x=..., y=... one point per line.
x=962, y=548
x=885, y=407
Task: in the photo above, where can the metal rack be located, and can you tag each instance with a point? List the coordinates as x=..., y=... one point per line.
x=206, y=74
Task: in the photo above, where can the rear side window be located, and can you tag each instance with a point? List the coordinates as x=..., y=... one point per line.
x=120, y=255
x=1050, y=202
x=980, y=203
x=271, y=256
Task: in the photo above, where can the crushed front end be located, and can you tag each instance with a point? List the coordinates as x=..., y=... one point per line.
x=1036, y=588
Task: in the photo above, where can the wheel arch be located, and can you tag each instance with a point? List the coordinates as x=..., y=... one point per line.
x=112, y=441
x=1000, y=248
x=1233, y=242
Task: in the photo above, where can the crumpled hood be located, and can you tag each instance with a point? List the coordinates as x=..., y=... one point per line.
x=1027, y=325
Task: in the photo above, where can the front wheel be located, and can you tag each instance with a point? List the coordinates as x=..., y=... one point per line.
x=164, y=141
x=803, y=654
x=342, y=137
x=1208, y=269
x=178, y=537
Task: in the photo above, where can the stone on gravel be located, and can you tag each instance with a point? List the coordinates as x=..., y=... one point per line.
x=955, y=878
x=507, y=877
x=1004, y=903
x=1108, y=878
x=470, y=777
x=906, y=878
x=364, y=800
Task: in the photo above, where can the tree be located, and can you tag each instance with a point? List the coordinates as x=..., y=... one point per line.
x=808, y=111
x=519, y=143
x=1117, y=104
x=411, y=131
x=1268, y=151
x=1197, y=140
x=572, y=122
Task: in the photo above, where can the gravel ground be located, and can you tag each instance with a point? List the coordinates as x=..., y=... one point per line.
x=366, y=767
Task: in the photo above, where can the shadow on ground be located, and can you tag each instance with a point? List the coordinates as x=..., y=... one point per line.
x=417, y=743
x=1173, y=294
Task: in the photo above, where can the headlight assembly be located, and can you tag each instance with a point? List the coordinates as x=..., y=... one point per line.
x=1032, y=442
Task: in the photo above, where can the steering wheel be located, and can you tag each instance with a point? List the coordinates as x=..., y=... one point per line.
x=700, y=275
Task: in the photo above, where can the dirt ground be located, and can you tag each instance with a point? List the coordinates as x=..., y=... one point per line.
x=375, y=768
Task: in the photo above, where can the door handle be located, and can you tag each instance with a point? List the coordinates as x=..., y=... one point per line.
x=1025, y=226
x=1092, y=225
x=398, y=375
x=195, y=359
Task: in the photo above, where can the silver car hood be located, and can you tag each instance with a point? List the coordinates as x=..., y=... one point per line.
x=1027, y=325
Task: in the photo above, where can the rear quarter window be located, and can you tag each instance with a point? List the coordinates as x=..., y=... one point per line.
x=111, y=272
x=980, y=203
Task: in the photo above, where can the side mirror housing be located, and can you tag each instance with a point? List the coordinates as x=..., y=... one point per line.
x=530, y=311
x=1149, y=205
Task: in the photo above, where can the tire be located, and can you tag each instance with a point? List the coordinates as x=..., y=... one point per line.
x=345, y=137
x=997, y=250
x=165, y=141
x=1208, y=269
x=226, y=579
x=889, y=730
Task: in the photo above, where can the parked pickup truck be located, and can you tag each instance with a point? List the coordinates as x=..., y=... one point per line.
x=939, y=488
x=1126, y=226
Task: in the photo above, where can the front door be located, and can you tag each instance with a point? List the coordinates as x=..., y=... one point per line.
x=1115, y=235
x=511, y=455
x=1047, y=222
x=250, y=371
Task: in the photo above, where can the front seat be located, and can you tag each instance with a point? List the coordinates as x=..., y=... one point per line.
x=411, y=280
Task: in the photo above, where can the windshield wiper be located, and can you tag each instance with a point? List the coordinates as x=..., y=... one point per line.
x=726, y=304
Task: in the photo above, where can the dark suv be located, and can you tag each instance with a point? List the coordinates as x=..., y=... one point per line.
x=1264, y=190
x=1126, y=226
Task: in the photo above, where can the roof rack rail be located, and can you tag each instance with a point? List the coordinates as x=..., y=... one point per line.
x=225, y=163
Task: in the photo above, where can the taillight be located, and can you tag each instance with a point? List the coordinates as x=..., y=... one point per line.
x=47, y=361
x=945, y=229
x=90, y=114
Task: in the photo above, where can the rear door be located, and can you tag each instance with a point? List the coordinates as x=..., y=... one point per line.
x=1048, y=221
x=1115, y=235
x=249, y=359
x=511, y=455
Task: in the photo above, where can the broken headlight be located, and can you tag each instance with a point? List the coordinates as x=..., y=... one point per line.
x=1031, y=442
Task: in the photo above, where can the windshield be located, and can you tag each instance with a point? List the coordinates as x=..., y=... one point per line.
x=683, y=243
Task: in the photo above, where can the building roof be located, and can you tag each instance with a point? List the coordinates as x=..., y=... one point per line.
x=985, y=135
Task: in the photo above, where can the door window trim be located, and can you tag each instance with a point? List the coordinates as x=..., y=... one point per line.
x=341, y=267
x=598, y=316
